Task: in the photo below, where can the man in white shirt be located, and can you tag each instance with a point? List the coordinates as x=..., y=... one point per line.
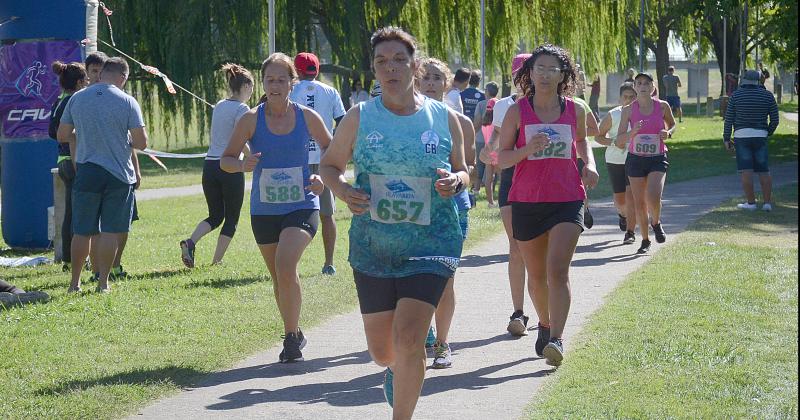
x=328, y=104
x=453, y=97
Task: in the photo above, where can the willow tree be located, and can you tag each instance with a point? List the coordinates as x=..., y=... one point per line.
x=189, y=40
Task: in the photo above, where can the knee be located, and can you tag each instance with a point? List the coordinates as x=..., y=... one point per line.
x=407, y=339
x=214, y=221
x=557, y=275
x=228, y=229
x=382, y=355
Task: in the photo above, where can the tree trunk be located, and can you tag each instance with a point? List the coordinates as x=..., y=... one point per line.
x=662, y=57
x=732, y=53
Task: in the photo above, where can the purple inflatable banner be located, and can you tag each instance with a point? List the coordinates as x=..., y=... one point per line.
x=28, y=86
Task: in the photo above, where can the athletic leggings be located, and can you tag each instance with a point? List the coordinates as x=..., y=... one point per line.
x=224, y=195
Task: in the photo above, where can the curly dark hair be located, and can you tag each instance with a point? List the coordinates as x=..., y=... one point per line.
x=565, y=88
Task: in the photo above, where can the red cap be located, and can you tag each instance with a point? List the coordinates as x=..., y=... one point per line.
x=306, y=63
x=519, y=60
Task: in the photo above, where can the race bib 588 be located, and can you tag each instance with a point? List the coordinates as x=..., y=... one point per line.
x=281, y=185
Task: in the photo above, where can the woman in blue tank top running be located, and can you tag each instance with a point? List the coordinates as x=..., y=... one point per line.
x=284, y=202
x=405, y=238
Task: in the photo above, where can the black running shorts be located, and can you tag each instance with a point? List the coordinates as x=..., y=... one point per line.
x=506, y=177
x=641, y=166
x=380, y=294
x=616, y=174
x=531, y=220
x=267, y=229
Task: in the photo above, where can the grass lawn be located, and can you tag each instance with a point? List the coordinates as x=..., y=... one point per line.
x=104, y=356
x=706, y=329
x=695, y=152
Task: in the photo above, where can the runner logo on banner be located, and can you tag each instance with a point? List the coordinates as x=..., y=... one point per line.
x=28, y=88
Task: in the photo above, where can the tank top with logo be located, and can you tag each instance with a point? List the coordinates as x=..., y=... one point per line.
x=281, y=176
x=409, y=229
x=647, y=141
x=551, y=175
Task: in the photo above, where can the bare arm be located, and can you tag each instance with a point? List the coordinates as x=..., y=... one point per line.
x=136, y=169
x=449, y=182
x=605, y=126
x=508, y=156
x=242, y=132
x=334, y=163
x=138, y=138
x=589, y=174
x=468, y=131
x=623, y=135
x=669, y=121
x=65, y=133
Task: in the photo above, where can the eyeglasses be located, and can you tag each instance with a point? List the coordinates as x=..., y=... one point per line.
x=546, y=71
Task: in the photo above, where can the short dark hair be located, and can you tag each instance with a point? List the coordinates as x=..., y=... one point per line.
x=475, y=78
x=671, y=68
x=462, y=75
x=492, y=89
x=393, y=33
x=97, y=57
x=626, y=86
x=116, y=65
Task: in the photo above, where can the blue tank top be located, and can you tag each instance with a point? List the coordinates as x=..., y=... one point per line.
x=281, y=176
x=410, y=229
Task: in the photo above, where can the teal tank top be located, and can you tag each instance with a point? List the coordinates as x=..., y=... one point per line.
x=410, y=229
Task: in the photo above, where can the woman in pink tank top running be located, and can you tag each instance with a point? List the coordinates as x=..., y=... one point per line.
x=649, y=122
x=543, y=134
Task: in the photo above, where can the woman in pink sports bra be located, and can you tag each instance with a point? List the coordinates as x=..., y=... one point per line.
x=543, y=134
x=650, y=122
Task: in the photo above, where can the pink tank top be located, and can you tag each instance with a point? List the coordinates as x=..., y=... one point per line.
x=549, y=176
x=647, y=142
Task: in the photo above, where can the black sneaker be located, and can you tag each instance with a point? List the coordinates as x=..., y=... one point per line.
x=518, y=324
x=542, y=339
x=630, y=237
x=588, y=220
x=645, y=248
x=661, y=237
x=623, y=222
x=292, y=344
x=554, y=352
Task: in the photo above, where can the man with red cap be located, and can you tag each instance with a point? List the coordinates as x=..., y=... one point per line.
x=326, y=101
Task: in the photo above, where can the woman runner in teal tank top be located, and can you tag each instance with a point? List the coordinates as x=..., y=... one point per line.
x=405, y=239
x=284, y=216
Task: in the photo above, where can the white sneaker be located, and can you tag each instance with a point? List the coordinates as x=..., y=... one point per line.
x=766, y=207
x=747, y=206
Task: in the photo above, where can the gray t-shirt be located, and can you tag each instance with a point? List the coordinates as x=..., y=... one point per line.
x=102, y=115
x=671, y=84
x=226, y=114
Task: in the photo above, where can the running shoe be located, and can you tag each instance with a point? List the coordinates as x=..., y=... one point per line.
x=441, y=356
x=430, y=340
x=747, y=206
x=66, y=267
x=588, y=220
x=388, y=387
x=518, y=324
x=661, y=237
x=187, y=253
x=542, y=339
x=554, y=352
x=623, y=222
x=94, y=277
x=630, y=237
x=766, y=207
x=645, y=248
x=328, y=270
x=292, y=344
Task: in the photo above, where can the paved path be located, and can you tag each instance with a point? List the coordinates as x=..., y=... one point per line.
x=494, y=376
x=791, y=116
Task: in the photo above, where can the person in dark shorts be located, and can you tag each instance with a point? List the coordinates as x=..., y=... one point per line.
x=615, y=163
x=284, y=199
x=224, y=191
x=644, y=126
x=405, y=238
x=746, y=118
x=671, y=84
x=543, y=134
x=106, y=124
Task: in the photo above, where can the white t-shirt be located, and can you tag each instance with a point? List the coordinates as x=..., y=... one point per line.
x=453, y=100
x=500, y=109
x=614, y=154
x=323, y=99
x=357, y=98
x=227, y=113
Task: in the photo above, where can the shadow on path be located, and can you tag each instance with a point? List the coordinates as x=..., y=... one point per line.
x=483, y=260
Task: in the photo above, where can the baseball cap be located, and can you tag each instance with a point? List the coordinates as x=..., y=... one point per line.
x=644, y=74
x=306, y=63
x=518, y=61
x=750, y=77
